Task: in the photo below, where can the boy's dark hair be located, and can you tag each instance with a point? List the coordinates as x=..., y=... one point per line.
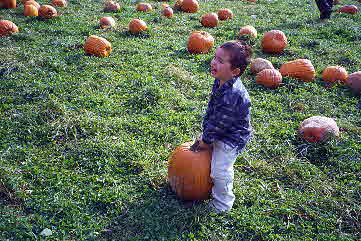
x=240, y=54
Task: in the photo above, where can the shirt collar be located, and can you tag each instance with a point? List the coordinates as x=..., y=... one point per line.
x=227, y=84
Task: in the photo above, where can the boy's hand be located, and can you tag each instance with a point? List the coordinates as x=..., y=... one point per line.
x=199, y=145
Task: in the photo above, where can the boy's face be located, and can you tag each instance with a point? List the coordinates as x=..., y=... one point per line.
x=221, y=67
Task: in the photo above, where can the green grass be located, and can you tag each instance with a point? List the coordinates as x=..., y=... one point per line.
x=84, y=141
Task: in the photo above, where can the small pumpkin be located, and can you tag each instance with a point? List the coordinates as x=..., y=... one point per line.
x=189, y=172
x=144, y=7
x=300, y=69
x=334, y=73
x=354, y=81
x=167, y=12
x=270, y=78
x=318, y=129
x=137, y=25
x=351, y=9
x=224, y=14
x=209, y=20
x=97, y=46
x=59, y=3
x=274, y=41
x=106, y=22
x=190, y=6
x=7, y=28
x=248, y=30
x=47, y=11
x=200, y=42
x=30, y=10
x=111, y=6
x=32, y=2
x=259, y=64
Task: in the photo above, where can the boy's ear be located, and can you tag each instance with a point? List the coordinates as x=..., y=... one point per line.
x=236, y=71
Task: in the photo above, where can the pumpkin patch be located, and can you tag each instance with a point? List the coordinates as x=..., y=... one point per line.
x=200, y=42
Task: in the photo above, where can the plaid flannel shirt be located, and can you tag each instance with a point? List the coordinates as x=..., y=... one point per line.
x=227, y=117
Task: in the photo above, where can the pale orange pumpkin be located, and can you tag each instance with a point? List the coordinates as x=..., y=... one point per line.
x=137, y=25
x=189, y=172
x=7, y=28
x=248, y=30
x=300, y=69
x=224, y=14
x=259, y=64
x=270, y=78
x=97, y=46
x=334, y=73
x=167, y=12
x=30, y=10
x=32, y=2
x=106, y=22
x=354, y=81
x=274, y=41
x=318, y=129
x=144, y=7
x=111, y=6
x=190, y=6
x=351, y=9
x=200, y=42
x=59, y=3
x=209, y=20
x=47, y=11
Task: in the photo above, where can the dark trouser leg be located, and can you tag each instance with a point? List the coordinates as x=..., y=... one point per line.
x=325, y=7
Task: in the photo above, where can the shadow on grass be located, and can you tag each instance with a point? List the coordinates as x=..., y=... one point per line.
x=158, y=215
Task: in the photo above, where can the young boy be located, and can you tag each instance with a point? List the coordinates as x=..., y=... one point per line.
x=226, y=125
x=325, y=7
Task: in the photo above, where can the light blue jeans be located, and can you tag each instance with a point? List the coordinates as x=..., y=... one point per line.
x=222, y=174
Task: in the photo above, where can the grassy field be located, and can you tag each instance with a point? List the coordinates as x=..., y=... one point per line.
x=84, y=140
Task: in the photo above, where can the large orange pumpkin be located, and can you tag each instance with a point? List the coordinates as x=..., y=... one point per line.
x=209, y=20
x=137, y=25
x=259, y=64
x=32, y=2
x=274, y=41
x=167, y=12
x=144, y=7
x=200, y=42
x=334, y=73
x=248, y=30
x=30, y=10
x=351, y=9
x=190, y=6
x=270, y=78
x=189, y=172
x=354, y=81
x=59, y=3
x=318, y=129
x=224, y=14
x=7, y=28
x=47, y=11
x=97, y=46
x=300, y=69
